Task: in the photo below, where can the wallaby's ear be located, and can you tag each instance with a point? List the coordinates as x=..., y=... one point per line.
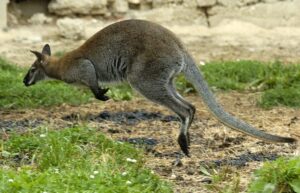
x=38, y=55
x=46, y=50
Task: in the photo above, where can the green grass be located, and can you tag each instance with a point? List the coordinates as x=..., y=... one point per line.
x=278, y=83
x=71, y=160
x=280, y=176
x=223, y=180
x=15, y=95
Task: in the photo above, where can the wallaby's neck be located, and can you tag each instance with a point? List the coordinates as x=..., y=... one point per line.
x=52, y=67
x=59, y=66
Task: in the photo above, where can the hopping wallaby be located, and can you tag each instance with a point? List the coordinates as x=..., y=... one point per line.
x=148, y=57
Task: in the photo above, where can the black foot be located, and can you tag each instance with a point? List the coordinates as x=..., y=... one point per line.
x=100, y=95
x=183, y=143
x=188, y=139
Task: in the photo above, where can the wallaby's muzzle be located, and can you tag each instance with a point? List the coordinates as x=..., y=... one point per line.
x=27, y=80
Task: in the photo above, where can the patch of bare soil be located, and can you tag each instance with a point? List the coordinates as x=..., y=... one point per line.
x=155, y=129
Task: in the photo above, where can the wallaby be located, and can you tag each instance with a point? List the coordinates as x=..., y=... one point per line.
x=148, y=57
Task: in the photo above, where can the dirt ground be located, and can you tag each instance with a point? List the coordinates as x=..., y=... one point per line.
x=139, y=121
x=211, y=142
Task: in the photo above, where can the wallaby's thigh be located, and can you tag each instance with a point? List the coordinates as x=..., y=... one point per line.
x=157, y=89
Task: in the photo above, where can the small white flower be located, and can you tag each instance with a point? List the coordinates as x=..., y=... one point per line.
x=131, y=160
x=92, y=176
x=128, y=182
x=42, y=135
x=124, y=174
x=202, y=63
x=152, y=172
x=96, y=172
x=10, y=180
x=56, y=170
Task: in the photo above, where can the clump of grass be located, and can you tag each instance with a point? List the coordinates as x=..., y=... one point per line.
x=15, y=95
x=226, y=180
x=281, y=176
x=73, y=160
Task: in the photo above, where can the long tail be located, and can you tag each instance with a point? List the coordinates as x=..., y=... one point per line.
x=193, y=74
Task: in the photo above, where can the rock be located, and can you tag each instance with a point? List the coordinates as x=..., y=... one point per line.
x=206, y=3
x=190, y=3
x=229, y=3
x=39, y=19
x=249, y=2
x=86, y=7
x=134, y=1
x=169, y=15
x=120, y=6
x=71, y=28
x=160, y=3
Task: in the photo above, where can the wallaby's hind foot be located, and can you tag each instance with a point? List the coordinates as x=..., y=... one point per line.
x=183, y=141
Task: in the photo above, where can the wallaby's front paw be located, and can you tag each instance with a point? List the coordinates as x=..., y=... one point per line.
x=102, y=97
x=103, y=91
x=100, y=94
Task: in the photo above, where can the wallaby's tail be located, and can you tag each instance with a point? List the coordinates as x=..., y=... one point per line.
x=193, y=74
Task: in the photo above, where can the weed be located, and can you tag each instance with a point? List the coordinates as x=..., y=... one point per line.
x=281, y=176
x=73, y=160
x=226, y=180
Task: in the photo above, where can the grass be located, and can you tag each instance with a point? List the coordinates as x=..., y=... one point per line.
x=224, y=180
x=278, y=83
x=281, y=176
x=75, y=159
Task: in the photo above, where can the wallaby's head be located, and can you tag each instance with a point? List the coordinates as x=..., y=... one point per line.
x=37, y=70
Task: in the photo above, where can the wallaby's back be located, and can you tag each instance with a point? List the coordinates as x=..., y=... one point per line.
x=125, y=43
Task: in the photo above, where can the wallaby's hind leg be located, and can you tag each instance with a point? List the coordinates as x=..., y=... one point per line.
x=159, y=92
x=179, y=97
x=189, y=106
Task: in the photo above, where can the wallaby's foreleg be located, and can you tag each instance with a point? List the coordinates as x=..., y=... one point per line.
x=159, y=92
x=89, y=78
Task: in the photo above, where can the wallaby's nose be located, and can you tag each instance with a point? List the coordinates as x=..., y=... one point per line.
x=25, y=81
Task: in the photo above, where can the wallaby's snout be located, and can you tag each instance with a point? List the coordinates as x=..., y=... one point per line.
x=27, y=80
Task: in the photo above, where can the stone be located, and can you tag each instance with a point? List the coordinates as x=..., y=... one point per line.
x=134, y=1
x=206, y=3
x=120, y=6
x=229, y=3
x=71, y=28
x=86, y=7
x=39, y=19
x=3, y=13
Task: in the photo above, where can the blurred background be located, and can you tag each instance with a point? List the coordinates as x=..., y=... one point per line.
x=212, y=29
